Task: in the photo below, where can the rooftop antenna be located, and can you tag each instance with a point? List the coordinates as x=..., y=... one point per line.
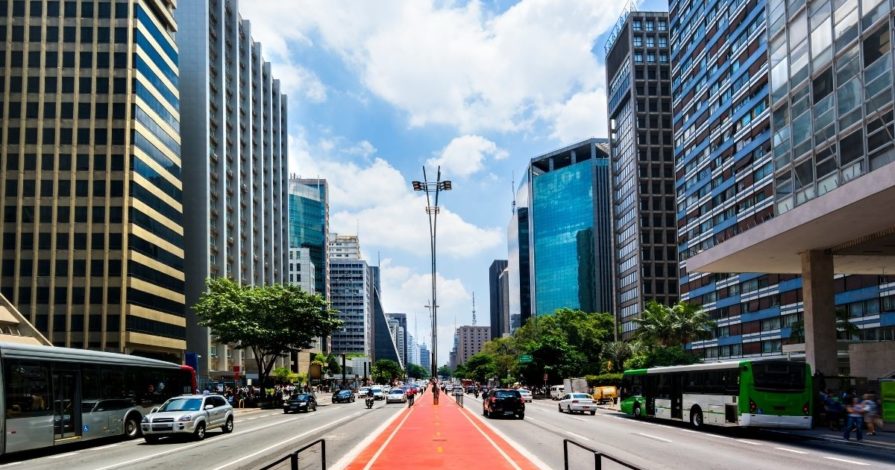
x=473, y=308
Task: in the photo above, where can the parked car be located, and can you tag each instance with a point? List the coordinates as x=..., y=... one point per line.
x=189, y=415
x=343, y=396
x=580, y=402
x=503, y=402
x=301, y=402
x=378, y=393
x=526, y=394
x=396, y=395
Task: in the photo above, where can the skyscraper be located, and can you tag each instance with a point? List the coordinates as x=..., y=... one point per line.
x=644, y=226
x=519, y=256
x=90, y=164
x=499, y=325
x=470, y=340
x=425, y=357
x=235, y=137
x=309, y=226
x=352, y=295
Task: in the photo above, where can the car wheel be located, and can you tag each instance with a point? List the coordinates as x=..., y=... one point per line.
x=593, y=413
x=199, y=433
x=150, y=439
x=521, y=415
x=559, y=407
x=228, y=426
x=315, y=407
x=132, y=426
x=285, y=412
x=636, y=411
x=696, y=417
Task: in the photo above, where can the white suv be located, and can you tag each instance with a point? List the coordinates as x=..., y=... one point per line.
x=188, y=415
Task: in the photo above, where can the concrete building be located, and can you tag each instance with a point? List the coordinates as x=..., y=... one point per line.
x=309, y=227
x=470, y=340
x=401, y=336
x=235, y=192
x=638, y=72
x=302, y=270
x=344, y=246
x=570, y=229
x=499, y=324
x=90, y=168
x=425, y=357
x=352, y=295
x=811, y=156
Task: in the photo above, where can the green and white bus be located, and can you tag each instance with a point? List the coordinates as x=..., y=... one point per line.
x=771, y=393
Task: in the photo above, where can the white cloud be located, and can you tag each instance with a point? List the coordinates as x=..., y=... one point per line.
x=465, y=156
x=581, y=117
x=452, y=63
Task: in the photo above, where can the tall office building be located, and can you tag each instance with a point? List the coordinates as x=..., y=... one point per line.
x=309, y=226
x=401, y=340
x=344, y=246
x=726, y=158
x=425, y=357
x=822, y=189
x=519, y=256
x=503, y=290
x=570, y=229
x=499, y=325
x=302, y=271
x=351, y=294
x=470, y=340
x=643, y=210
x=92, y=246
x=235, y=139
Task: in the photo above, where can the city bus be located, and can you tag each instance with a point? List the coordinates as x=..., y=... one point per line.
x=52, y=396
x=772, y=393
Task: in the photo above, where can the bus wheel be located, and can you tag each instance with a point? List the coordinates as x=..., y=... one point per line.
x=132, y=426
x=696, y=417
x=636, y=411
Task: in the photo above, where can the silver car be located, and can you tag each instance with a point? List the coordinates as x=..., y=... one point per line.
x=190, y=415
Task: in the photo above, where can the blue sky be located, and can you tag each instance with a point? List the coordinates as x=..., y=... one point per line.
x=379, y=89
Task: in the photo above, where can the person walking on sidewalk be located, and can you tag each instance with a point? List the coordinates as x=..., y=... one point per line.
x=871, y=413
x=435, y=392
x=855, y=419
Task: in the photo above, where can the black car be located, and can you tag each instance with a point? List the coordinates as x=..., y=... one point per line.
x=343, y=396
x=503, y=402
x=302, y=402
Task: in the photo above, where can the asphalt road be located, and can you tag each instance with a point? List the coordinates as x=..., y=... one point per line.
x=259, y=438
x=656, y=445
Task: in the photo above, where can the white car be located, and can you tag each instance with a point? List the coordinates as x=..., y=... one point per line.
x=362, y=392
x=580, y=402
x=526, y=394
x=188, y=415
x=396, y=395
x=378, y=393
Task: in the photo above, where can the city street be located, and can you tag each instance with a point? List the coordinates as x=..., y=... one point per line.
x=259, y=437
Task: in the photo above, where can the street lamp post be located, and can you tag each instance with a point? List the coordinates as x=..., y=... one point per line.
x=432, y=211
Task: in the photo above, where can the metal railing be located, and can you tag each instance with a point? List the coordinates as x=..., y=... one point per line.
x=294, y=458
x=598, y=456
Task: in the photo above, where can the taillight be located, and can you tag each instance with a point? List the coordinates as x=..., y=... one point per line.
x=493, y=400
x=752, y=406
x=806, y=409
x=574, y=401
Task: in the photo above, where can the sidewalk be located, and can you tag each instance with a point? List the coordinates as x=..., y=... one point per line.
x=439, y=437
x=882, y=439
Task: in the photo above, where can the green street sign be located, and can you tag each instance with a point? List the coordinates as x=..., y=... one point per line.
x=525, y=359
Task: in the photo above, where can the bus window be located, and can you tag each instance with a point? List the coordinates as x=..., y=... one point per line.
x=27, y=390
x=632, y=385
x=779, y=376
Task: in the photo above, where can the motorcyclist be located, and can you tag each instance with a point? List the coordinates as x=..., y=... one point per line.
x=370, y=397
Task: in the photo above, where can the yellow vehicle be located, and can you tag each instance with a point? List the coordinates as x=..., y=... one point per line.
x=605, y=394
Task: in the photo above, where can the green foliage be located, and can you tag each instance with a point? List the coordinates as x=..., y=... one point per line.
x=416, y=371
x=445, y=371
x=660, y=356
x=271, y=320
x=281, y=374
x=460, y=372
x=615, y=354
x=386, y=371
x=673, y=326
x=604, y=379
x=481, y=367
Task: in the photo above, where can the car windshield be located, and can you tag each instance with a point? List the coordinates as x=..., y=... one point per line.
x=397, y=391
x=302, y=397
x=377, y=390
x=182, y=404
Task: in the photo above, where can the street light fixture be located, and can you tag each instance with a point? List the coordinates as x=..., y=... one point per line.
x=432, y=211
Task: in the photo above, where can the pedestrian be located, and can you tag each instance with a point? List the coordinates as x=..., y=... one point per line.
x=871, y=413
x=411, y=393
x=435, y=392
x=855, y=419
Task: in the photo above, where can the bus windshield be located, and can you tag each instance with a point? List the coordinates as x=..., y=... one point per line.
x=779, y=376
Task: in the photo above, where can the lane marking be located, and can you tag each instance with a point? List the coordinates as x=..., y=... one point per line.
x=493, y=444
x=104, y=447
x=388, y=440
x=365, y=442
x=515, y=445
x=579, y=436
x=748, y=442
x=61, y=456
x=853, y=462
x=579, y=419
x=650, y=436
x=794, y=451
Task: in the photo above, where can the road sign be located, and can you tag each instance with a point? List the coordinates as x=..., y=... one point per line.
x=525, y=359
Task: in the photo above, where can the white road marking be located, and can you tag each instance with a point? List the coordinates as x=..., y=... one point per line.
x=493, y=444
x=748, y=442
x=853, y=462
x=519, y=448
x=794, y=451
x=365, y=442
x=61, y=456
x=286, y=441
x=579, y=419
x=388, y=440
x=650, y=436
x=579, y=436
x=104, y=447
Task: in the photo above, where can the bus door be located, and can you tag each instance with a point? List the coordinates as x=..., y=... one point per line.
x=677, y=397
x=66, y=404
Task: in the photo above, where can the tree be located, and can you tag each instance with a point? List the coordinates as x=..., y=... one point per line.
x=673, y=326
x=505, y=353
x=281, y=374
x=416, y=371
x=615, y=354
x=445, y=371
x=386, y=371
x=691, y=323
x=271, y=321
x=481, y=367
x=656, y=324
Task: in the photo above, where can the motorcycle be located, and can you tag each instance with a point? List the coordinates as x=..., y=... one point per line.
x=369, y=402
x=476, y=393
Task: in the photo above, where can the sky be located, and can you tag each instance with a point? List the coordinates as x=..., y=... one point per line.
x=380, y=89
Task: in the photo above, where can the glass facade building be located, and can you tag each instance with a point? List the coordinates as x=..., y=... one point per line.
x=90, y=168
x=519, y=258
x=759, y=130
x=638, y=71
x=309, y=225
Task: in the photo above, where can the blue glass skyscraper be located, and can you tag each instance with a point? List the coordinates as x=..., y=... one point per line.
x=309, y=226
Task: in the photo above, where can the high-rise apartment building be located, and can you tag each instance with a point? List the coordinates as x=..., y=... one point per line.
x=309, y=226
x=235, y=139
x=638, y=72
x=570, y=229
x=471, y=340
x=499, y=324
x=90, y=168
x=351, y=293
x=344, y=246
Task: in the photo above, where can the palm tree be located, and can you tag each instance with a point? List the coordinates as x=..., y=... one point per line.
x=617, y=352
x=691, y=323
x=656, y=324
